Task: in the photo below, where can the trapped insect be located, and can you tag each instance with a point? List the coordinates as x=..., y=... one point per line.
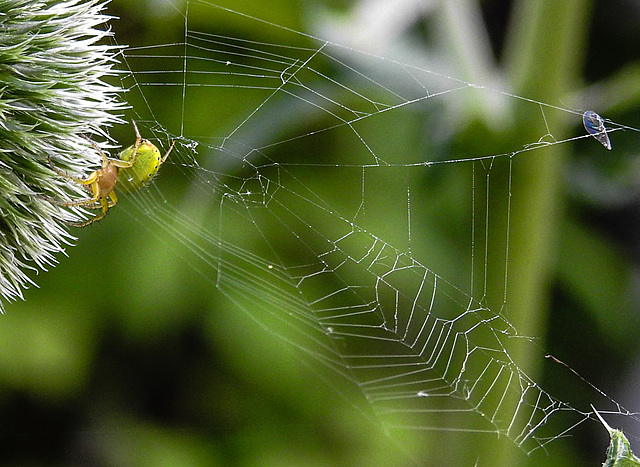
x=594, y=124
x=133, y=169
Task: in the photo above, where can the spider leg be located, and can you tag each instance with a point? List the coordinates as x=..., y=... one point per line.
x=97, y=205
x=135, y=128
x=139, y=139
x=132, y=160
x=113, y=198
x=105, y=159
x=118, y=162
x=111, y=202
x=95, y=190
x=85, y=203
x=164, y=158
x=105, y=209
x=63, y=173
x=136, y=145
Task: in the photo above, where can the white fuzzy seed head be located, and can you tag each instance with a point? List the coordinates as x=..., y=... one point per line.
x=53, y=61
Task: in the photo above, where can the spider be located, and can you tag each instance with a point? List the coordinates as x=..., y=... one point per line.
x=132, y=170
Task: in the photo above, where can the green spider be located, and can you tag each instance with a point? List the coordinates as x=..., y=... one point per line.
x=132, y=170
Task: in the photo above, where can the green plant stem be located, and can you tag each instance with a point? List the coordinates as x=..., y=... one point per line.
x=544, y=54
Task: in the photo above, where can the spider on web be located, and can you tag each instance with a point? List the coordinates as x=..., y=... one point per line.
x=133, y=169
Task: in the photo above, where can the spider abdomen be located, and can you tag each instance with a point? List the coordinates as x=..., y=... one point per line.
x=145, y=167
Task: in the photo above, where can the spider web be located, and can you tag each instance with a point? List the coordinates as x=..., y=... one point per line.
x=304, y=216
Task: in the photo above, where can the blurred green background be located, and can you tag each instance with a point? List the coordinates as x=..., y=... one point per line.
x=125, y=355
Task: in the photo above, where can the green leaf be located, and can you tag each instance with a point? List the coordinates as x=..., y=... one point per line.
x=619, y=453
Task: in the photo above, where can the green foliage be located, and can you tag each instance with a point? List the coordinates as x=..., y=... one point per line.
x=619, y=453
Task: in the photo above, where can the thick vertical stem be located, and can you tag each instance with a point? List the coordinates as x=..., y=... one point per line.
x=543, y=56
